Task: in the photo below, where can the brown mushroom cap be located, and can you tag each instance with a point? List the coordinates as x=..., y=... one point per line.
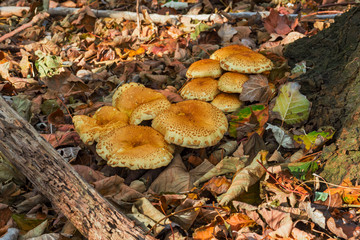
x=204, y=89
x=229, y=50
x=192, y=124
x=247, y=62
x=135, y=147
x=105, y=119
x=232, y=82
x=139, y=102
x=227, y=102
x=204, y=68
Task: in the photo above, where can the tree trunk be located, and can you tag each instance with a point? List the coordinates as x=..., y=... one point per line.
x=333, y=86
x=91, y=214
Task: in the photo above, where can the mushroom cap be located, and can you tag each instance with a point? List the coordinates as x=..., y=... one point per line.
x=246, y=62
x=204, y=89
x=204, y=68
x=192, y=124
x=227, y=102
x=231, y=82
x=229, y=50
x=105, y=120
x=131, y=96
x=149, y=110
x=135, y=147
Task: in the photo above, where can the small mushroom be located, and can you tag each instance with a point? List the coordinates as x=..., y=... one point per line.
x=204, y=68
x=246, y=62
x=231, y=82
x=135, y=147
x=227, y=102
x=204, y=89
x=229, y=50
x=105, y=120
x=139, y=102
x=192, y=124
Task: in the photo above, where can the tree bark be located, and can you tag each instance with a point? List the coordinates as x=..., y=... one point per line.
x=90, y=213
x=332, y=84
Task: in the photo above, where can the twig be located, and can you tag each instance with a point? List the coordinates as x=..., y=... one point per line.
x=270, y=174
x=183, y=210
x=35, y=19
x=138, y=18
x=338, y=4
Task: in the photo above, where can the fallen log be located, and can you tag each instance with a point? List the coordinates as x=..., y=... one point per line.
x=88, y=211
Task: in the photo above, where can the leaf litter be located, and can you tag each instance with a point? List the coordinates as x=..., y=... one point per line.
x=255, y=183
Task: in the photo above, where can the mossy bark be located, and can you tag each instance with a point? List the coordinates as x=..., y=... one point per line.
x=332, y=84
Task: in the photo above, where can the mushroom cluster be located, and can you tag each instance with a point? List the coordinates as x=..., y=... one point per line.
x=223, y=89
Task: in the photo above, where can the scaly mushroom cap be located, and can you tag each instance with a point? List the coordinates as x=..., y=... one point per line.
x=192, y=124
x=105, y=120
x=227, y=102
x=135, y=147
x=139, y=102
x=204, y=89
x=229, y=50
x=232, y=82
x=247, y=62
x=204, y=68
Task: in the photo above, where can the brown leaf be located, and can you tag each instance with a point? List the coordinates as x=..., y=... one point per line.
x=89, y=174
x=279, y=221
x=171, y=93
x=275, y=23
x=58, y=139
x=217, y=185
x=239, y=220
x=256, y=89
x=57, y=117
x=5, y=215
x=204, y=233
x=187, y=218
x=343, y=229
x=114, y=188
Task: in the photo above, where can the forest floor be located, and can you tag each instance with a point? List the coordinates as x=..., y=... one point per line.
x=259, y=182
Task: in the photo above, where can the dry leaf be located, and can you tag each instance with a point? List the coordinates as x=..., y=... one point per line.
x=245, y=178
x=256, y=89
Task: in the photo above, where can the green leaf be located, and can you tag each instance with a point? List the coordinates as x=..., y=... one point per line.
x=49, y=106
x=301, y=169
x=255, y=115
x=315, y=139
x=198, y=29
x=292, y=106
x=321, y=196
x=22, y=106
x=48, y=65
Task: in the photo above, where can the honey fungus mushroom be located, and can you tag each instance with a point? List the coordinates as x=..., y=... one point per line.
x=105, y=119
x=204, y=68
x=228, y=50
x=139, y=102
x=204, y=89
x=246, y=62
x=231, y=82
x=192, y=124
x=135, y=147
x=227, y=102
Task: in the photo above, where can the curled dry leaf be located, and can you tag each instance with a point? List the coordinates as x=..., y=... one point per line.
x=245, y=178
x=256, y=89
x=171, y=93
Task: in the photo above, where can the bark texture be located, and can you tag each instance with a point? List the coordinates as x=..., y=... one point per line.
x=91, y=214
x=332, y=84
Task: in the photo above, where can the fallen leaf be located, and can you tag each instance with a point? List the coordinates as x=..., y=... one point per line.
x=217, y=185
x=176, y=178
x=256, y=89
x=281, y=137
x=238, y=221
x=226, y=32
x=292, y=106
x=244, y=179
x=226, y=165
x=279, y=221
x=315, y=139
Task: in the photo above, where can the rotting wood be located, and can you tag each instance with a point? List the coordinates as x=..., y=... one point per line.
x=89, y=212
x=156, y=18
